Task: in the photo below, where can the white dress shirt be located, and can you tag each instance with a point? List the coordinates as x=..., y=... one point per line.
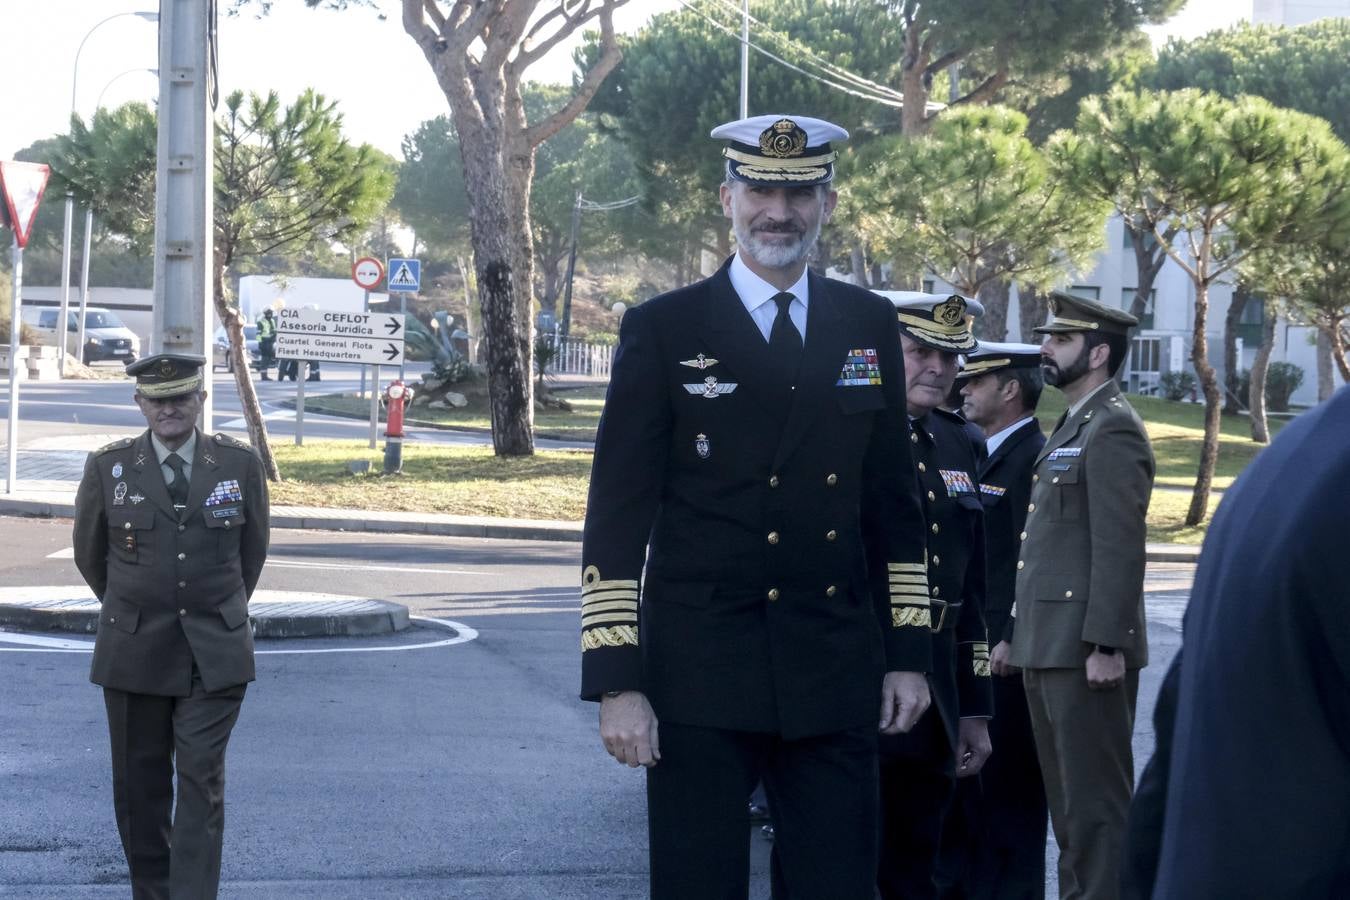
x=757, y=295
x=992, y=443
x=185, y=452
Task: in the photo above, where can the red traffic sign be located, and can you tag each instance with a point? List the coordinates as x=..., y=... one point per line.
x=367, y=272
x=22, y=184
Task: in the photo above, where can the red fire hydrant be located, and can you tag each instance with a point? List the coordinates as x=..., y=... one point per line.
x=396, y=396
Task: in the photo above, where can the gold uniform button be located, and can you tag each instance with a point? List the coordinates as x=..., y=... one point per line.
x=922, y=467
x=773, y=537
x=913, y=438
x=112, y=620
x=831, y=591
x=831, y=535
x=182, y=612
x=1035, y=478
x=182, y=556
x=1031, y=507
x=182, y=584
x=1023, y=535
x=227, y=523
x=127, y=526
x=936, y=590
x=932, y=496
x=1055, y=480
x=773, y=593
x=1068, y=594
x=1020, y=564
x=935, y=528
x=773, y=481
x=935, y=559
x=832, y=480
x=184, y=527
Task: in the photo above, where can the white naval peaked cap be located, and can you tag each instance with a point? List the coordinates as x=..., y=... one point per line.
x=780, y=150
x=940, y=321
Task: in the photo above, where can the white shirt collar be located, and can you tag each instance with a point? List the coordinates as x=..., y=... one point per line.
x=186, y=452
x=755, y=291
x=993, y=443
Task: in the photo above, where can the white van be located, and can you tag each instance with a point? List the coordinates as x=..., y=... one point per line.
x=105, y=337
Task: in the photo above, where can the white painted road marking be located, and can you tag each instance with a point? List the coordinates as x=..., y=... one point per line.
x=68, y=553
x=371, y=568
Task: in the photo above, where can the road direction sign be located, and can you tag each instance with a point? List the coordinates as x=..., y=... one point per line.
x=405, y=275
x=367, y=272
x=326, y=335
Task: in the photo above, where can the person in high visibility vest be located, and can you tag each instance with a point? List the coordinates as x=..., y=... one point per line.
x=267, y=339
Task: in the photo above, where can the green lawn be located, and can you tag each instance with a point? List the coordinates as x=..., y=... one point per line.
x=553, y=484
x=577, y=425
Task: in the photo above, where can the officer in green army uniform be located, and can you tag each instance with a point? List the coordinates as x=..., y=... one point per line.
x=951, y=740
x=171, y=532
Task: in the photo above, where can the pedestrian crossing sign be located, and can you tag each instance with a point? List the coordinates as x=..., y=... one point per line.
x=405, y=276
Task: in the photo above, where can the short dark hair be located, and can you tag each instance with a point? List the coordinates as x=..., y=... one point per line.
x=1030, y=383
x=1119, y=344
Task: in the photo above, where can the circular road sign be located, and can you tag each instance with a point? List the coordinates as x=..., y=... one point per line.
x=367, y=272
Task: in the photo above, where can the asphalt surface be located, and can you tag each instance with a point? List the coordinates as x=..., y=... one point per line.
x=460, y=770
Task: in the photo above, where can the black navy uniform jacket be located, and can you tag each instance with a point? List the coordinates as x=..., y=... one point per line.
x=755, y=609
x=1005, y=488
x=1256, y=788
x=174, y=591
x=945, y=460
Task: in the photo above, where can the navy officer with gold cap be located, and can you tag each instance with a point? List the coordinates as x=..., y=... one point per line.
x=171, y=532
x=754, y=429
x=918, y=769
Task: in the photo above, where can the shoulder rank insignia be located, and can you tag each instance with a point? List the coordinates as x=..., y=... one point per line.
x=860, y=367
x=710, y=388
x=227, y=441
x=699, y=362
x=957, y=482
x=116, y=445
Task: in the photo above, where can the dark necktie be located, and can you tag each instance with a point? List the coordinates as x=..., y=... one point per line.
x=785, y=341
x=178, y=488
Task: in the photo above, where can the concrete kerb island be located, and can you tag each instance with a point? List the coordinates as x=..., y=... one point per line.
x=273, y=614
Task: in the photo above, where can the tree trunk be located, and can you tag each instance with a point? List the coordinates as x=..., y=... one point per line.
x=1256, y=391
x=879, y=281
x=993, y=325
x=858, y=263
x=1209, y=384
x=1326, y=381
x=913, y=91
x=248, y=397
x=1338, y=351
x=1232, y=403
x=1030, y=312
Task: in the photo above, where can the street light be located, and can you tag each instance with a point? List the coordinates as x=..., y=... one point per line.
x=98, y=104
x=70, y=206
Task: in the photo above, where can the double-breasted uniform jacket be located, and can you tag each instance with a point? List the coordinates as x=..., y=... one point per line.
x=174, y=589
x=756, y=613
x=1005, y=489
x=1080, y=576
x=945, y=458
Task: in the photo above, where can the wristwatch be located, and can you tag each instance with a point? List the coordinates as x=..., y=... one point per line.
x=1109, y=651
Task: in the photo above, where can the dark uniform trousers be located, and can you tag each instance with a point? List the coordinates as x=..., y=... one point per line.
x=174, y=650
x=725, y=527
x=995, y=836
x=918, y=769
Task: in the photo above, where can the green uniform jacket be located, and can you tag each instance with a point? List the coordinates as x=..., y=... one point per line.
x=174, y=592
x=1080, y=576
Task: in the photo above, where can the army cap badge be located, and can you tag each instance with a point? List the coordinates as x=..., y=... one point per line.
x=167, y=375
x=780, y=151
x=940, y=321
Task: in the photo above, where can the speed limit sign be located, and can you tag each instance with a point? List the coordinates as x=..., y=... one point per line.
x=367, y=272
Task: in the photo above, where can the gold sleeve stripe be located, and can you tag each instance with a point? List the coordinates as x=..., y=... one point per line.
x=916, y=578
x=619, y=618
x=981, y=667
x=911, y=616
x=589, y=597
x=608, y=606
x=980, y=648
x=906, y=567
x=627, y=587
x=617, y=636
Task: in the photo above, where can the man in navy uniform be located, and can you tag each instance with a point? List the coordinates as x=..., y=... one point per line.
x=1079, y=633
x=171, y=533
x=753, y=420
x=1253, y=799
x=919, y=769
x=1006, y=816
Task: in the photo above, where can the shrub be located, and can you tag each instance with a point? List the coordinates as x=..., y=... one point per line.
x=1282, y=379
x=1177, y=385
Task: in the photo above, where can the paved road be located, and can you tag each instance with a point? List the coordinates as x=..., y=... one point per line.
x=464, y=771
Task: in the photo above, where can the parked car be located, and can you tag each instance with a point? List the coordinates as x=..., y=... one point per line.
x=220, y=349
x=105, y=336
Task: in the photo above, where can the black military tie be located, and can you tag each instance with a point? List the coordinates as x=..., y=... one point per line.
x=178, y=488
x=785, y=341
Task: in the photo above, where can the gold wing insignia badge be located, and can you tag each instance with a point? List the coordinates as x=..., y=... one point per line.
x=699, y=362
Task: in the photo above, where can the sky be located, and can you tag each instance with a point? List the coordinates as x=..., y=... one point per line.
x=379, y=77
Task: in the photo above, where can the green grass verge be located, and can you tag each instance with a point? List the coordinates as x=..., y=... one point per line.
x=467, y=481
x=577, y=425
x=1167, y=512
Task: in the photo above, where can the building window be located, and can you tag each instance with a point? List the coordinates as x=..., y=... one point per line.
x=1086, y=291
x=928, y=285
x=1149, y=240
x=1127, y=300
x=1253, y=317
